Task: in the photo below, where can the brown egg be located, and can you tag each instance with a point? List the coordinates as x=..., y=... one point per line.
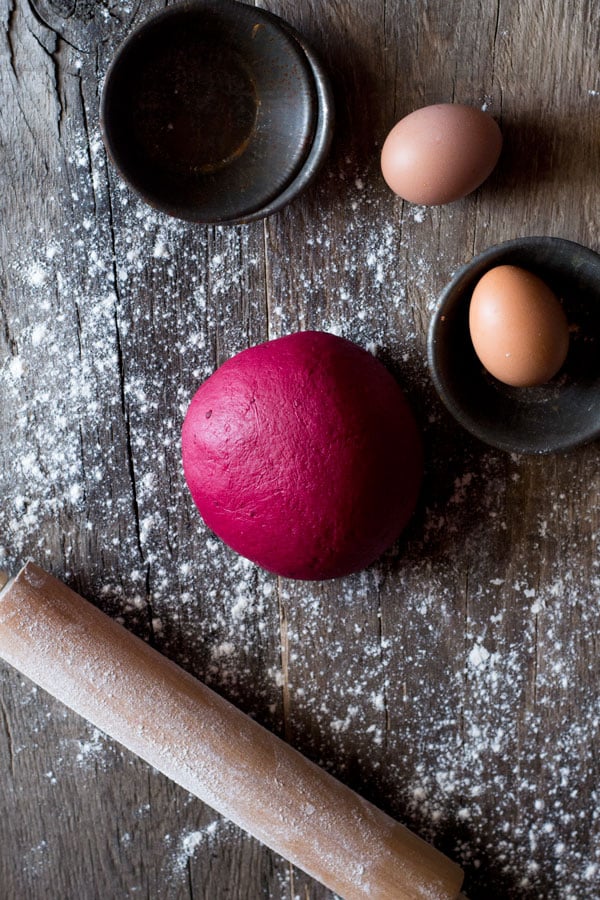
x=518, y=327
x=440, y=153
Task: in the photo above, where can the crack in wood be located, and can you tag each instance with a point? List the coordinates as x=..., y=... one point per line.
x=285, y=663
x=10, y=27
x=88, y=143
x=292, y=885
x=267, y=267
x=189, y=879
x=128, y=440
x=45, y=23
x=149, y=607
x=536, y=648
x=462, y=727
x=122, y=390
x=386, y=709
x=8, y=730
x=495, y=38
x=53, y=56
x=55, y=70
x=9, y=338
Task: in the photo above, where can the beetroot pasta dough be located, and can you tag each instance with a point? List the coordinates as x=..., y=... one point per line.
x=303, y=455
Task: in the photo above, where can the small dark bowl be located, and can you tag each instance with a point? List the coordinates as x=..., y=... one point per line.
x=209, y=110
x=555, y=416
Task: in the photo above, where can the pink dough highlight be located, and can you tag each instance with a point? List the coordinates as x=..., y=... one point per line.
x=303, y=455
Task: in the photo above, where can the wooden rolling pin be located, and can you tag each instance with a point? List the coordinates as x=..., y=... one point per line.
x=182, y=728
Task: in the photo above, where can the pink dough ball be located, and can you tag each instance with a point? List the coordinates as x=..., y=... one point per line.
x=303, y=455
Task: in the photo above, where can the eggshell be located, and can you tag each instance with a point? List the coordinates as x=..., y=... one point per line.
x=518, y=327
x=440, y=153
x=303, y=455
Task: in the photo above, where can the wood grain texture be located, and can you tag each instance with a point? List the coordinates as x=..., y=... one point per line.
x=454, y=684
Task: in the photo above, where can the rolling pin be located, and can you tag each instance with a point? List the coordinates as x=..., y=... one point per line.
x=157, y=710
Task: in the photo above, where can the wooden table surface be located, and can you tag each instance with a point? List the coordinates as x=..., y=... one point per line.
x=454, y=683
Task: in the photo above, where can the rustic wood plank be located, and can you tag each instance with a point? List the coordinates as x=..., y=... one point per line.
x=456, y=682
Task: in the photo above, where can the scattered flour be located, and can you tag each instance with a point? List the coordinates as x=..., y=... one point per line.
x=189, y=841
x=391, y=718
x=93, y=750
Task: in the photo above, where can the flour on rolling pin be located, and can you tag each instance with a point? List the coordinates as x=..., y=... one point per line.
x=182, y=728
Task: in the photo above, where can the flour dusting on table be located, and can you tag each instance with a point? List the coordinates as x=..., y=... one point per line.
x=82, y=386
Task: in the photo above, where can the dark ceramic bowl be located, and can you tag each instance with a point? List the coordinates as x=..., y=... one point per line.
x=210, y=111
x=555, y=416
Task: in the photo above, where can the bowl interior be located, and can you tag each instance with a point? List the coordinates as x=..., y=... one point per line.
x=209, y=110
x=543, y=419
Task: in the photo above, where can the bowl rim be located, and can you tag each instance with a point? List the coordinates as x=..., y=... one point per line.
x=316, y=82
x=322, y=139
x=461, y=279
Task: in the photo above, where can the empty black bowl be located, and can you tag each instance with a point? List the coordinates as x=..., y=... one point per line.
x=555, y=416
x=209, y=110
